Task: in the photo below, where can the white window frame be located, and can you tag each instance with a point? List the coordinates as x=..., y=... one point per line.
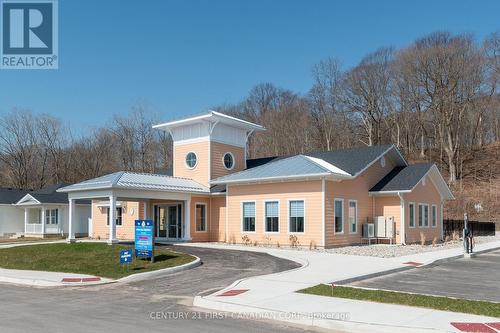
x=288, y=217
x=206, y=215
x=265, y=216
x=224, y=164
x=185, y=160
x=116, y=216
x=343, y=216
x=421, y=214
x=410, y=204
x=434, y=221
x=243, y=217
x=349, y=216
x=51, y=213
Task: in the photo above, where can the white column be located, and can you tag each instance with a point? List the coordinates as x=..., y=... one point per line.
x=43, y=220
x=145, y=210
x=112, y=220
x=402, y=221
x=187, y=219
x=71, y=213
x=441, y=219
x=26, y=219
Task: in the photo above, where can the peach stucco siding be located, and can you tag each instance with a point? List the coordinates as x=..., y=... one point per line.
x=131, y=211
x=218, y=150
x=201, y=171
x=218, y=218
x=309, y=191
x=423, y=194
x=390, y=206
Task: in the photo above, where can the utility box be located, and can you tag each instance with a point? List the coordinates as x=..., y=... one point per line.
x=384, y=226
x=368, y=230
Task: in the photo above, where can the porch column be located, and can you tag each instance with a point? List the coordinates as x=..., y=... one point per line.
x=71, y=213
x=26, y=219
x=187, y=219
x=146, y=213
x=43, y=220
x=112, y=220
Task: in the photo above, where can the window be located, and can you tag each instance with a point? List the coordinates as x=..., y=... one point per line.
x=353, y=216
x=118, y=217
x=296, y=215
x=338, y=215
x=249, y=216
x=434, y=215
x=191, y=160
x=228, y=161
x=272, y=216
x=411, y=207
x=51, y=216
x=423, y=215
x=201, y=217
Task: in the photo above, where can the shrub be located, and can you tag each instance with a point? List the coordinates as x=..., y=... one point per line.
x=434, y=241
x=422, y=239
x=245, y=240
x=455, y=235
x=294, y=241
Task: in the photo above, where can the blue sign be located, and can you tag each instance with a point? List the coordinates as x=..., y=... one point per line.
x=126, y=256
x=143, y=238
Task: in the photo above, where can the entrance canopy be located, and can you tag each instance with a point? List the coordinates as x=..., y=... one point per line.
x=130, y=186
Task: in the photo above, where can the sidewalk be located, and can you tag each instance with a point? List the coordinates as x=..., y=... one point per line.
x=275, y=294
x=48, y=279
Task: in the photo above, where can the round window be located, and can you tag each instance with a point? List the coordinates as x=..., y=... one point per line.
x=228, y=161
x=191, y=160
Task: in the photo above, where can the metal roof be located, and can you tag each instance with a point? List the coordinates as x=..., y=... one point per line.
x=402, y=178
x=345, y=163
x=144, y=181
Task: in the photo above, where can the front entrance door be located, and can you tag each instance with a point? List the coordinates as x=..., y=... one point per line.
x=168, y=221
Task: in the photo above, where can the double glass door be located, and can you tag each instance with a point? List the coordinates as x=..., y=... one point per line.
x=168, y=221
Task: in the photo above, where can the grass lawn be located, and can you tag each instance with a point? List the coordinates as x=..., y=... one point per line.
x=433, y=302
x=86, y=258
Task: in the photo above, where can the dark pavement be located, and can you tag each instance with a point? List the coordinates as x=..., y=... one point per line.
x=476, y=278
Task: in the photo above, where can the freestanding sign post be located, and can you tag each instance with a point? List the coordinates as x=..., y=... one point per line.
x=144, y=243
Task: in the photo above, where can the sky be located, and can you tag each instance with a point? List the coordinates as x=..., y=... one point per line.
x=183, y=57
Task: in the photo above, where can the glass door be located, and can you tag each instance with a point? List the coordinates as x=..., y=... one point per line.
x=172, y=222
x=160, y=221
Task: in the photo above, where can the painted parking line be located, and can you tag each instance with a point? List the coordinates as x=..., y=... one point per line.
x=494, y=325
x=413, y=263
x=234, y=292
x=473, y=327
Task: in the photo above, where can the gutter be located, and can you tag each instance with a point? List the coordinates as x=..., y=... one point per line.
x=264, y=179
x=402, y=219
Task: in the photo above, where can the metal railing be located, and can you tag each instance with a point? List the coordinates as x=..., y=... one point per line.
x=478, y=228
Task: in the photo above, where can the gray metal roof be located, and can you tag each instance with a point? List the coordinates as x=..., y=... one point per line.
x=146, y=181
x=402, y=178
x=344, y=162
x=298, y=165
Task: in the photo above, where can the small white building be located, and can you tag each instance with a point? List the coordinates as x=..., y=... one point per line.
x=45, y=212
x=11, y=217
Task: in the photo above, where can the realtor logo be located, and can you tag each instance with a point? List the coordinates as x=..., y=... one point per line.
x=29, y=34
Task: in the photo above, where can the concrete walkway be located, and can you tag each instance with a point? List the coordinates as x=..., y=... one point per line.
x=274, y=295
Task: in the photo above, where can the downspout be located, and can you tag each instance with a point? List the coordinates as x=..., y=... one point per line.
x=323, y=213
x=402, y=219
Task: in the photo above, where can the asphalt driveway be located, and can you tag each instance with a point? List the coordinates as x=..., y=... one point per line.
x=161, y=305
x=476, y=278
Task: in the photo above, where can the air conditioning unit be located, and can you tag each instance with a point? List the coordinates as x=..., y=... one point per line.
x=384, y=226
x=368, y=230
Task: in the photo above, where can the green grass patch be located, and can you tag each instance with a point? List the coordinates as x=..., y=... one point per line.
x=432, y=302
x=86, y=258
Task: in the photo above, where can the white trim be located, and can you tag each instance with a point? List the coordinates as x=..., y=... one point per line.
x=196, y=163
x=206, y=215
x=225, y=213
x=323, y=213
x=423, y=215
x=441, y=219
x=209, y=161
x=349, y=216
x=224, y=164
x=415, y=223
x=265, y=216
x=23, y=200
x=343, y=213
x=433, y=206
x=402, y=220
x=183, y=142
x=242, y=216
x=288, y=217
x=261, y=179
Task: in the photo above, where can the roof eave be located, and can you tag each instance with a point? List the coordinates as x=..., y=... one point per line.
x=280, y=178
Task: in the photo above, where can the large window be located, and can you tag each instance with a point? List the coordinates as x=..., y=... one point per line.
x=296, y=214
x=118, y=217
x=272, y=216
x=201, y=217
x=249, y=216
x=353, y=216
x=423, y=215
x=411, y=207
x=434, y=215
x=51, y=216
x=191, y=160
x=338, y=215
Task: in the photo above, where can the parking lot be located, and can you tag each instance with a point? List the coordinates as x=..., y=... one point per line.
x=476, y=278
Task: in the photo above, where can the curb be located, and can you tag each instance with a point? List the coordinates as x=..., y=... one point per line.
x=161, y=272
